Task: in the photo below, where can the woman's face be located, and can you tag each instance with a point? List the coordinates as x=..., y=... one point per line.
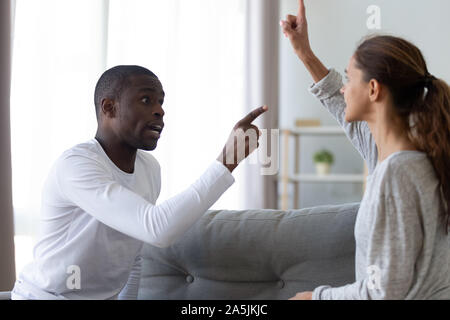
x=356, y=94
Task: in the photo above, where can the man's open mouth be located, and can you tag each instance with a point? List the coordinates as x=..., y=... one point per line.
x=155, y=130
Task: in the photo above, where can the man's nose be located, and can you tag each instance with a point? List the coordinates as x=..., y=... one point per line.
x=158, y=112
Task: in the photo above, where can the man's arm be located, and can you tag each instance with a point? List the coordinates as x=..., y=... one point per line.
x=86, y=183
x=89, y=185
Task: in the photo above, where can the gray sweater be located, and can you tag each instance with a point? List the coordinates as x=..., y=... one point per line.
x=402, y=249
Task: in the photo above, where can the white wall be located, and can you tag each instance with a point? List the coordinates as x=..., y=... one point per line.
x=335, y=27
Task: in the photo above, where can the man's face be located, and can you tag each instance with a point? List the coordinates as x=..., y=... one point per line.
x=139, y=120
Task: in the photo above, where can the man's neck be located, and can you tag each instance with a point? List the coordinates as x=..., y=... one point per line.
x=120, y=154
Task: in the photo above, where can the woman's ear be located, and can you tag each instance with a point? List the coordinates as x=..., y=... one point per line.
x=375, y=89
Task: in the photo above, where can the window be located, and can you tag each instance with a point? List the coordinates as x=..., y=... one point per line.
x=61, y=48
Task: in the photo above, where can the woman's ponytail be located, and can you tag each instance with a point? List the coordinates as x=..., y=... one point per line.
x=430, y=131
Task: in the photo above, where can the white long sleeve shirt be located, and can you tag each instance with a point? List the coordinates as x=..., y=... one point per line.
x=96, y=217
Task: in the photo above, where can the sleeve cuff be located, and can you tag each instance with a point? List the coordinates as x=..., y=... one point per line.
x=317, y=293
x=223, y=171
x=327, y=86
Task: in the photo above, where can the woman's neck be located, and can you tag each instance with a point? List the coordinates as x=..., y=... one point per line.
x=390, y=134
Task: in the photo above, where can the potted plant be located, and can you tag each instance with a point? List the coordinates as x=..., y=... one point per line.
x=323, y=160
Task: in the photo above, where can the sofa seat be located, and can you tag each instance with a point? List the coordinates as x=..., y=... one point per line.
x=254, y=254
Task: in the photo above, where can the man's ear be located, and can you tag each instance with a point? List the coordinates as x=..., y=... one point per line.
x=108, y=108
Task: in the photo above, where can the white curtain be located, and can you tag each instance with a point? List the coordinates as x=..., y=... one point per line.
x=57, y=59
x=196, y=48
x=61, y=47
x=261, y=88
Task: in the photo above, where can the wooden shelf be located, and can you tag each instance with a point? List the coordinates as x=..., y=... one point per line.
x=352, y=178
x=323, y=130
x=296, y=178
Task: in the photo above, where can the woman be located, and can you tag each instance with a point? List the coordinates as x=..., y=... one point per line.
x=398, y=117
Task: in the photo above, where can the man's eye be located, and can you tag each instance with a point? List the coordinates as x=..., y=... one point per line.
x=148, y=100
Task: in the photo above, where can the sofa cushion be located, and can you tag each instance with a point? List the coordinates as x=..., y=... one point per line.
x=254, y=254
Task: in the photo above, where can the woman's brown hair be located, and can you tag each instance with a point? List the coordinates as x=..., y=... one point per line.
x=420, y=99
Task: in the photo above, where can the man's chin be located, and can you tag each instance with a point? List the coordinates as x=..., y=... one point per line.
x=149, y=146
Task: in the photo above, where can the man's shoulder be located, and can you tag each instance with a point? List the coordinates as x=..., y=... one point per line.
x=90, y=146
x=87, y=151
x=80, y=161
x=148, y=158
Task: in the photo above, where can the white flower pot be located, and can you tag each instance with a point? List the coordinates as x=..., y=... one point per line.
x=322, y=168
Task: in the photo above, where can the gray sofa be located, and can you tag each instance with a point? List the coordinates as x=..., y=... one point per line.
x=254, y=254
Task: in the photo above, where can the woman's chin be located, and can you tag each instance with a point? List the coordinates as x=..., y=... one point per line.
x=348, y=118
x=352, y=118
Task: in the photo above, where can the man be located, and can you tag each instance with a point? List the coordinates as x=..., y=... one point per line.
x=98, y=201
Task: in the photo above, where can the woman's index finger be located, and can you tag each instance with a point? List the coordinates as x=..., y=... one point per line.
x=301, y=8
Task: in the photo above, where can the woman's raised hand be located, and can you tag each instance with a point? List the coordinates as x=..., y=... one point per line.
x=296, y=28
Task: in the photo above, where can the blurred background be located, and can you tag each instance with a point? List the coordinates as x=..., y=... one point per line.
x=217, y=60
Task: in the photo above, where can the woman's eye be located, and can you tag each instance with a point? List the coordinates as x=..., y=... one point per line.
x=145, y=100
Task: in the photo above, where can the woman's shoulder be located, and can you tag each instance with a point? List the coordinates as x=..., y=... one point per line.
x=405, y=171
x=406, y=158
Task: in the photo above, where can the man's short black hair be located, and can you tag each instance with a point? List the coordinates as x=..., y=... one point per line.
x=114, y=80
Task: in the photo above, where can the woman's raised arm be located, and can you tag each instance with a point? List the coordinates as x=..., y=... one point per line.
x=296, y=29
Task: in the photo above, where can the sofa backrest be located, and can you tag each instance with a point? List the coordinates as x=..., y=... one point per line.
x=254, y=254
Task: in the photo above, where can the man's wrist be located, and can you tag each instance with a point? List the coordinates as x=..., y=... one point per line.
x=230, y=167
